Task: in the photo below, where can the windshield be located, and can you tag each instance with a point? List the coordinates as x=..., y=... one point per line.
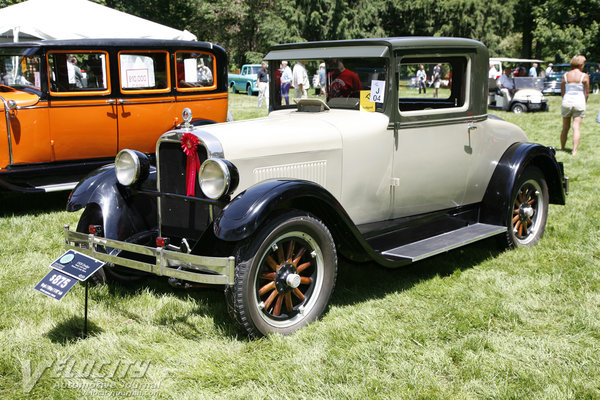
x=350, y=83
x=253, y=70
x=561, y=69
x=19, y=71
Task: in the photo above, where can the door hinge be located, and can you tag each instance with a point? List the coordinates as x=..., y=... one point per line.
x=395, y=182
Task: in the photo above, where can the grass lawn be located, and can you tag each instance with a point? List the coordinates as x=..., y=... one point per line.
x=475, y=323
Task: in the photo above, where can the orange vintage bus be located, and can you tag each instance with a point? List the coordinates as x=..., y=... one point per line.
x=69, y=106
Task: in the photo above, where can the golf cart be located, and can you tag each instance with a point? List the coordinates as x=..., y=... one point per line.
x=527, y=95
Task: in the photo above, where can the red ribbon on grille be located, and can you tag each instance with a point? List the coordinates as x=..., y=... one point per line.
x=189, y=143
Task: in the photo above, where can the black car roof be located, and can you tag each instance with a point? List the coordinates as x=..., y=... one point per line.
x=121, y=43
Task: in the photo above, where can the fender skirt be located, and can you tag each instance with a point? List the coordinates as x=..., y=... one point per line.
x=123, y=212
x=495, y=203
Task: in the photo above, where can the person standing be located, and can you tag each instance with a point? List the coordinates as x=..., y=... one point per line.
x=421, y=79
x=436, y=79
x=574, y=89
x=322, y=79
x=286, y=81
x=549, y=70
x=262, y=78
x=533, y=70
x=300, y=81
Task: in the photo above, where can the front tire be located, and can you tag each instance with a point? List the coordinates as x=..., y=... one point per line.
x=285, y=274
x=528, y=213
x=249, y=90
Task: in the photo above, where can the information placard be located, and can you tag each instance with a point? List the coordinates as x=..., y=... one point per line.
x=55, y=284
x=77, y=265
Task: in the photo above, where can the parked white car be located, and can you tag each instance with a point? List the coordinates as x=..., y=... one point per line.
x=372, y=171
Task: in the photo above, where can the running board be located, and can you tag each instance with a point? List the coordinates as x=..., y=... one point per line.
x=441, y=243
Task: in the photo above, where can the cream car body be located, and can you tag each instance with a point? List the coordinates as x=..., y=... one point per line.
x=371, y=170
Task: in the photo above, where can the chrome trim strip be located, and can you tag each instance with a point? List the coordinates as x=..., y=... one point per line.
x=8, y=132
x=439, y=122
x=209, y=270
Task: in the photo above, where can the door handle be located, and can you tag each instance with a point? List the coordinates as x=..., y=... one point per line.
x=471, y=127
x=122, y=101
x=111, y=101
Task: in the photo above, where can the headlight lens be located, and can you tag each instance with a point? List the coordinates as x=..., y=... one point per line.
x=217, y=178
x=131, y=166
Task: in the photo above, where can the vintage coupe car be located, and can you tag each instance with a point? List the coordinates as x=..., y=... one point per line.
x=265, y=207
x=71, y=105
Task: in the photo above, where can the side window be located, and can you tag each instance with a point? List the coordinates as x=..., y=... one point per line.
x=144, y=71
x=195, y=70
x=432, y=83
x=77, y=72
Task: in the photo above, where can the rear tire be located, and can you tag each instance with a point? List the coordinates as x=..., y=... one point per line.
x=284, y=275
x=596, y=88
x=528, y=209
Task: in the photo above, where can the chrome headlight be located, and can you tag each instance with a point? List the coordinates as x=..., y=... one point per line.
x=217, y=177
x=131, y=166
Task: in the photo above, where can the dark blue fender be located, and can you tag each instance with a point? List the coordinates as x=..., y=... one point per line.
x=251, y=208
x=513, y=162
x=123, y=213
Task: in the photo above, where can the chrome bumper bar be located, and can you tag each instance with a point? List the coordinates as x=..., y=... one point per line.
x=184, y=266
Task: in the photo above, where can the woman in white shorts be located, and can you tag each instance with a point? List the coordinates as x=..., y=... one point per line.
x=574, y=88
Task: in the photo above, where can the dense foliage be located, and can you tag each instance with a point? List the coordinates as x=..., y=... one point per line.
x=553, y=30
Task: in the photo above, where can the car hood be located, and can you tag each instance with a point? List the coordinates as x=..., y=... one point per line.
x=287, y=132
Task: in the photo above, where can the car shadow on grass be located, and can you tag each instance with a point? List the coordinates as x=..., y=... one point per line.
x=356, y=283
x=361, y=282
x=15, y=204
x=208, y=302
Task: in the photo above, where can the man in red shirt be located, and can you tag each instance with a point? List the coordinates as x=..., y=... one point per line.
x=342, y=82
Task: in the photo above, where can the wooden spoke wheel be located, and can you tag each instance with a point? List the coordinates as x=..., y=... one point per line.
x=290, y=272
x=286, y=282
x=529, y=209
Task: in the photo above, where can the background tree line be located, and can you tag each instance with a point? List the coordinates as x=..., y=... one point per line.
x=553, y=30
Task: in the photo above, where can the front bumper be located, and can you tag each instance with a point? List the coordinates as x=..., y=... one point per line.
x=174, y=264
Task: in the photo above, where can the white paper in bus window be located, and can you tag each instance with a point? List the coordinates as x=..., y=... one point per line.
x=137, y=71
x=190, y=67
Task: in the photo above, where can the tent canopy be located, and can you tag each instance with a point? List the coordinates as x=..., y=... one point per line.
x=76, y=19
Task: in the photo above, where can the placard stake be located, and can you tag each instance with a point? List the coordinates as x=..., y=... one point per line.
x=85, y=317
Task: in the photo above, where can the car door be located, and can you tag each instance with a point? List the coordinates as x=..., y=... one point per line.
x=145, y=105
x=433, y=150
x=82, y=116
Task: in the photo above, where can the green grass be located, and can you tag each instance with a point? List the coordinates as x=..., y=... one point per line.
x=475, y=323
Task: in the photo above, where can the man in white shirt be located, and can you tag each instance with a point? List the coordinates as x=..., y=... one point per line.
x=506, y=84
x=300, y=81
